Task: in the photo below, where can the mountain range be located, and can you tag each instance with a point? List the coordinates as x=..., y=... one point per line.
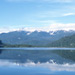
x=35, y=38
x=68, y=41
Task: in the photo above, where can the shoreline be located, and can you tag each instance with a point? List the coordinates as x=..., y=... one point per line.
x=40, y=48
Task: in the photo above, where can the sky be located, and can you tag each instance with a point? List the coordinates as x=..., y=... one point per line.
x=37, y=15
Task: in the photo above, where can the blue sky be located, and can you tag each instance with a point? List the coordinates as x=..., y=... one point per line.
x=37, y=14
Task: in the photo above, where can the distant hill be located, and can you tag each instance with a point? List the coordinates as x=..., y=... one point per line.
x=35, y=38
x=68, y=41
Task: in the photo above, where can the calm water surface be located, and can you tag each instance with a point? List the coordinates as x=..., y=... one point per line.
x=37, y=61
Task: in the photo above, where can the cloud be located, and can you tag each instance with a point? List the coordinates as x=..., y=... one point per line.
x=61, y=26
x=51, y=66
x=69, y=14
x=18, y=0
x=59, y=0
x=6, y=30
x=60, y=12
x=51, y=27
x=65, y=1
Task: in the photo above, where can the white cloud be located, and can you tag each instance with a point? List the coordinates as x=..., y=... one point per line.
x=51, y=66
x=6, y=30
x=59, y=0
x=67, y=1
x=60, y=26
x=60, y=12
x=69, y=14
x=51, y=27
x=20, y=0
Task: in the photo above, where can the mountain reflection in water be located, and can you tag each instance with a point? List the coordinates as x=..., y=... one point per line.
x=54, y=60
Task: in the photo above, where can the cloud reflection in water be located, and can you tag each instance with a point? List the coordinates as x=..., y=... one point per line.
x=50, y=65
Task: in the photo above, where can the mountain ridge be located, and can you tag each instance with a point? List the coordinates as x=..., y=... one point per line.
x=34, y=38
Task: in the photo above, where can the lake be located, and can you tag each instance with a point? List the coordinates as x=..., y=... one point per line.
x=37, y=61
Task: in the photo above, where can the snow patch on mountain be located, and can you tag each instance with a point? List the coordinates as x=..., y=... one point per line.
x=28, y=33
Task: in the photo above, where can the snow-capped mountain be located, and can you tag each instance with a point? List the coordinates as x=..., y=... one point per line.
x=33, y=38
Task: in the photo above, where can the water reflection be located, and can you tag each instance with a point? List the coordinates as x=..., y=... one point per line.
x=1, y=51
x=50, y=60
x=22, y=56
x=52, y=66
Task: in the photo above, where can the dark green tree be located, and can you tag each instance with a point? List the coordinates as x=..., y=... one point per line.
x=1, y=44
